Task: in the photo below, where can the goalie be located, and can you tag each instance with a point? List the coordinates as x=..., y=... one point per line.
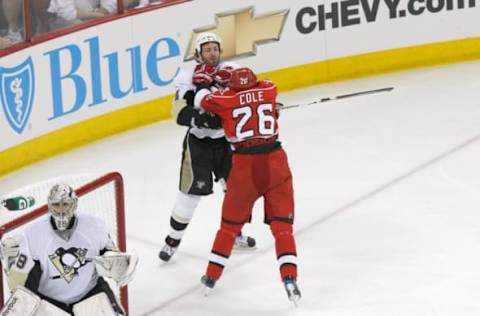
x=59, y=265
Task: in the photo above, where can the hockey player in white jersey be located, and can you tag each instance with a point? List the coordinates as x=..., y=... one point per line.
x=59, y=265
x=205, y=149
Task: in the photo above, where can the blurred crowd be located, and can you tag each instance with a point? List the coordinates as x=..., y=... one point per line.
x=50, y=15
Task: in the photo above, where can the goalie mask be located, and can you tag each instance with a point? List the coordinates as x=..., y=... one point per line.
x=62, y=203
x=242, y=79
x=205, y=38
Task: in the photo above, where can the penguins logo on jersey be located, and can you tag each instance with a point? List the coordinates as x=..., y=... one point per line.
x=68, y=262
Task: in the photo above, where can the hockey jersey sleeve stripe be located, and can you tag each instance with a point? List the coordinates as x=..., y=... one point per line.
x=199, y=97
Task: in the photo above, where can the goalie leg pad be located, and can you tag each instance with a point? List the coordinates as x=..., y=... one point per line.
x=48, y=309
x=22, y=302
x=98, y=304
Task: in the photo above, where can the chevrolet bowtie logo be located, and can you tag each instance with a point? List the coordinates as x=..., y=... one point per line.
x=241, y=31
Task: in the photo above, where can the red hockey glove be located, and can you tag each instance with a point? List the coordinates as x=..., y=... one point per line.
x=203, y=76
x=223, y=75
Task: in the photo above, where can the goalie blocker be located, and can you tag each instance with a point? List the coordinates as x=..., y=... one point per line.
x=9, y=251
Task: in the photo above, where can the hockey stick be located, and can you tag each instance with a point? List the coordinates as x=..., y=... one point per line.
x=338, y=97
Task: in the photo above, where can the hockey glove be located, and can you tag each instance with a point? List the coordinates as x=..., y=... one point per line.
x=203, y=76
x=207, y=120
x=222, y=77
x=183, y=110
x=9, y=251
x=119, y=266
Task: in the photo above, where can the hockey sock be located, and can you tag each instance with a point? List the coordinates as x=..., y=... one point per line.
x=177, y=230
x=285, y=248
x=222, y=249
x=182, y=213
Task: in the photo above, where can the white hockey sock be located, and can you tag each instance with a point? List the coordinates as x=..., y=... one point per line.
x=182, y=213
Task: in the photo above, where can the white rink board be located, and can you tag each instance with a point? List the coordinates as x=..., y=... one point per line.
x=75, y=75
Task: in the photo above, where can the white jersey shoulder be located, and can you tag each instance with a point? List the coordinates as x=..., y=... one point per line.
x=183, y=82
x=68, y=272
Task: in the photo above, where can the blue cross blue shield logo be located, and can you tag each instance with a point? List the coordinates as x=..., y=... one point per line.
x=17, y=87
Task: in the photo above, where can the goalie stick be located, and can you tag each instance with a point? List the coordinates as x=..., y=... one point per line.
x=281, y=106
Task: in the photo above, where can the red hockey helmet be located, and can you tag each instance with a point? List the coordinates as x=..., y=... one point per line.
x=242, y=79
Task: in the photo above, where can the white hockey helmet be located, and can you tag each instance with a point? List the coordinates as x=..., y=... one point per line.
x=206, y=38
x=62, y=203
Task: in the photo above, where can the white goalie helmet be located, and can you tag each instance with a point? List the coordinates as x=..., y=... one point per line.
x=206, y=38
x=62, y=203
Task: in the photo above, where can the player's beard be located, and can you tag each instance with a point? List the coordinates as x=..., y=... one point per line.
x=213, y=61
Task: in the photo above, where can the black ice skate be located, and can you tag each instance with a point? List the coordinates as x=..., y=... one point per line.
x=167, y=252
x=291, y=287
x=169, y=249
x=209, y=283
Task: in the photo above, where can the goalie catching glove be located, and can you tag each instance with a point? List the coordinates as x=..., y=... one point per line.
x=118, y=266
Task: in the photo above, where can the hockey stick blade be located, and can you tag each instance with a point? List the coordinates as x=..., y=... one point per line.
x=338, y=97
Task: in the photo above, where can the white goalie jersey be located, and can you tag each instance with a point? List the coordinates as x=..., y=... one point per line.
x=67, y=268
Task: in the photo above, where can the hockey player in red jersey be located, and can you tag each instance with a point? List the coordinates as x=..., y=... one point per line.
x=259, y=169
x=206, y=153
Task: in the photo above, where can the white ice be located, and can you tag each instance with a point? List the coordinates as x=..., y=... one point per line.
x=387, y=190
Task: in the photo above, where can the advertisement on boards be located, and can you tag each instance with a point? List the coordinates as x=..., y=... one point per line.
x=135, y=59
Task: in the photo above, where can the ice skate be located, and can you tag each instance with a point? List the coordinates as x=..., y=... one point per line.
x=167, y=252
x=209, y=284
x=244, y=243
x=293, y=292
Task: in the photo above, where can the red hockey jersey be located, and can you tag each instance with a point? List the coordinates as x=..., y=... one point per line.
x=248, y=114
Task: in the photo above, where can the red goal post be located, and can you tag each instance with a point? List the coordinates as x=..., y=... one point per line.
x=99, y=195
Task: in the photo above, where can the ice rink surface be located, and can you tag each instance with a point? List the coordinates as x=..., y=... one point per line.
x=387, y=190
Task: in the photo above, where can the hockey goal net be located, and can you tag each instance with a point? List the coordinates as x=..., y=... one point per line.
x=101, y=195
